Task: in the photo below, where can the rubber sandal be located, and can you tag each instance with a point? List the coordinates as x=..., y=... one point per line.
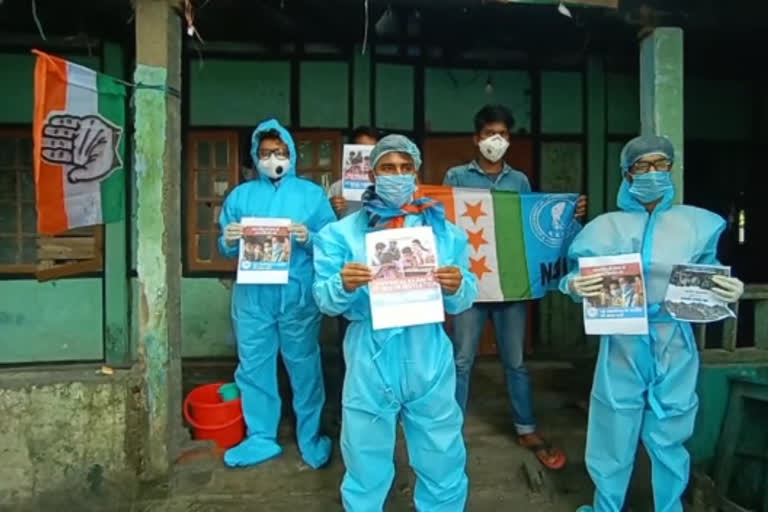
x=542, y=451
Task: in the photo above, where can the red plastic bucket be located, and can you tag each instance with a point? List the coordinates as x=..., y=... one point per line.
x=213, y=419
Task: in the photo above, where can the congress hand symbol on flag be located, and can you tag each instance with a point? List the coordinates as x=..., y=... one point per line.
x=87, y=146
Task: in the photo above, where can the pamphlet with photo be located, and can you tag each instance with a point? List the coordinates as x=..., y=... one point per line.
x=621, y=306
x=404, y=291
x=265, y=251
x=355, y=171
x=689, y=294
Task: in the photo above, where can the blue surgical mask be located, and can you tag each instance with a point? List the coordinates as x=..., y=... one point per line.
x=649, y=187
x=396, y=190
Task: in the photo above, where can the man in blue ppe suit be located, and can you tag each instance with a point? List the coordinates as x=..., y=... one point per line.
x=403, y=373
x=645, y=386
x=271, y=317
x=492, y=135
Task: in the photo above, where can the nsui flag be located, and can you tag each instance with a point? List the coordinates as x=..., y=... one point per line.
x=78, y=138
x=519, y=242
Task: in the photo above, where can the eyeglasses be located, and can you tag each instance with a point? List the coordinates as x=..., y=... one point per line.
x=266, y=153
x=392, y=169
x=644, y=166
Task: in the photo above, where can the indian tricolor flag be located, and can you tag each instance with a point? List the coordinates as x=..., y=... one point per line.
x=78, y=139
x=518, y=242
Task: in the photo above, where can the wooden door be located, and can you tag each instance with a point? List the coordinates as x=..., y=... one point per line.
x=319, y=156
x=443, y=152
x=559, y=333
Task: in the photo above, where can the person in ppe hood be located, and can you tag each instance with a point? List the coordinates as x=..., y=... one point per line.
x=404, y=374
x=644, y=387
x=493, y=125
x=268, y=318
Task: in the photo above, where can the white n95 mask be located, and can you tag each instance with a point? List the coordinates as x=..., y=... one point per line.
x=273, y=167
x=494, y=147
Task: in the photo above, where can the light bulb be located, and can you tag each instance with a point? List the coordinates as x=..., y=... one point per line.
x=488, y=87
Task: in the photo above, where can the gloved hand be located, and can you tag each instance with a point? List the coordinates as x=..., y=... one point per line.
x=299, y=232
x=728, y=289
x=586, y=286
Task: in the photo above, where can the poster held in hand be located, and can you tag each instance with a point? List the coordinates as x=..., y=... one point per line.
x=621, y=306
x=355, y=171
x=265, y=251
x=689, y=295
x=403, y=290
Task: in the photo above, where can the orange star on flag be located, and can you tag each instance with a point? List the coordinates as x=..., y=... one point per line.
x=478, y=267
x=474, y=211
x=476, y=238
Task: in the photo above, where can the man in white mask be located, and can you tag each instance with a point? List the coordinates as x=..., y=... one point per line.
x=489, y=171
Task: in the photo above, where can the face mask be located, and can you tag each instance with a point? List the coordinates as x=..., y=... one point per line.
x=273, y=167
x=648, y=187
x=493, y=148
x=396, y=190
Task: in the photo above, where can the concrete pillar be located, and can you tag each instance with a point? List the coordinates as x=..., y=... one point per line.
x=661, y=92
x=157, y=163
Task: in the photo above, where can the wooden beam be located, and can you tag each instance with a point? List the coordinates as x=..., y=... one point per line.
x=700, y=333
x=595, y=117
x=739, y=356
x=755, y=292
x=761, y=324
x=65, y=248
x=610, y=4
x=731, y=330
x=117, y=346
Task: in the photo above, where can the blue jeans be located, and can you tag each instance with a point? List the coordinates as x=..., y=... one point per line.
x=509, y=320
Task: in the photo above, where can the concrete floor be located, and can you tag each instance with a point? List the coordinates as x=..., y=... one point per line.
x=502, y=475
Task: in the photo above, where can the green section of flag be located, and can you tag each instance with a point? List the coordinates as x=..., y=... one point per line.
x=112, y=108
x=510, y=246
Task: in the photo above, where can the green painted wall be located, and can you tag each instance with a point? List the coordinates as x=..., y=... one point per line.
x=394, y=97
x=562, y=107
x=361, y=69
x=55, y=321
x=206, y=324
x=713, y=391
x=238, y=92
x=205, y=316
x=453, y=96
x=622, y=103
x=324, y=94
